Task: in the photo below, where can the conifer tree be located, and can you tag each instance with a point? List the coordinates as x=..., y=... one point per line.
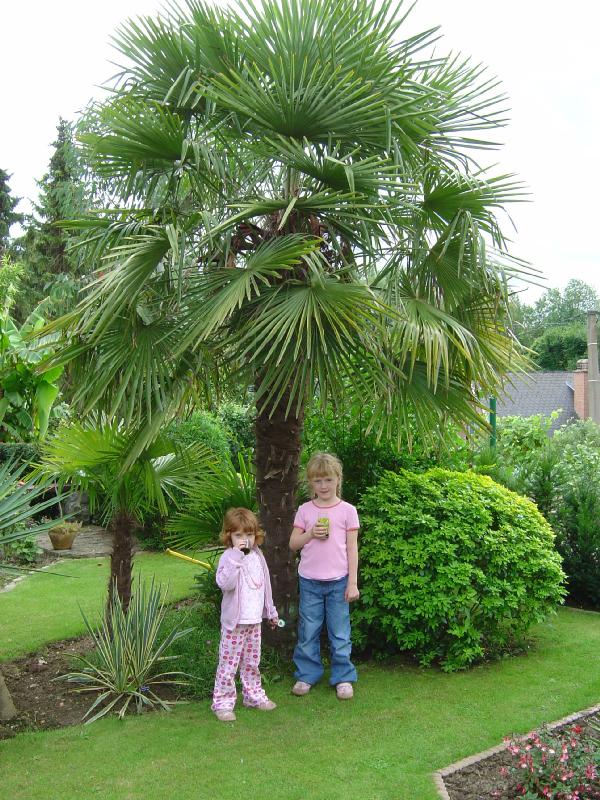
x=8, y=215
x=51, y=267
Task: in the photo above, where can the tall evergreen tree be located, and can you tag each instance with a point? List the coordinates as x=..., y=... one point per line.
x=8, y=215
x=50, y=265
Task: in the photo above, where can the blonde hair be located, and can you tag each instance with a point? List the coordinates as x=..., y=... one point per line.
x=324, y=465
x=240, y=520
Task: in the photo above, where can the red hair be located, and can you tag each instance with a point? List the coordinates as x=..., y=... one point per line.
x=240, y=520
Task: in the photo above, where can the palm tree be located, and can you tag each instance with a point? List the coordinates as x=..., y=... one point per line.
x=92, y=456
x=296, y=208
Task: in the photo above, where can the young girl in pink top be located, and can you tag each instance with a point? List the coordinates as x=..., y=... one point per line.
x=326, y=533
x=243, y=576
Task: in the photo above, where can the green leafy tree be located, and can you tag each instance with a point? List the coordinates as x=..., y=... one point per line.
x=555, y=310
x=11, y=273
x=560, y=348
x=299, y=211
x=8, y=215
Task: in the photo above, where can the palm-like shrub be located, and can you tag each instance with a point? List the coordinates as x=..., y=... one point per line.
x=124, y=484
x=454, y=567
x=130, y=654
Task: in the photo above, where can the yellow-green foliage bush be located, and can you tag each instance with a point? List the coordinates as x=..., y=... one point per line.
x=454, y=567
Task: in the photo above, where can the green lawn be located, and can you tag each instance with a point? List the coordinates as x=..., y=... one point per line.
x=45, y=607
x=402, y=724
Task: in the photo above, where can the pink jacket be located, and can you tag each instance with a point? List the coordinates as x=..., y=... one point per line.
x=228, y=579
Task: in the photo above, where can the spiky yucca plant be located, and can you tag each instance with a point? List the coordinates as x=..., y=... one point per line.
x=129, y=657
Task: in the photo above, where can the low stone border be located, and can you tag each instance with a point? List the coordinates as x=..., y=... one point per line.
x=440, y=774
x=11, y=584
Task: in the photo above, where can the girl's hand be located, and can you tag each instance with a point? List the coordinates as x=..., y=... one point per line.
x=273, y=622
x=319, y=532
x=351, y=593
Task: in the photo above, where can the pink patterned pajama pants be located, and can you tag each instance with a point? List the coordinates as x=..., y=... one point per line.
x=241, y=646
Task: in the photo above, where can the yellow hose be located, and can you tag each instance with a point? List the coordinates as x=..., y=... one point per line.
x=188, y=558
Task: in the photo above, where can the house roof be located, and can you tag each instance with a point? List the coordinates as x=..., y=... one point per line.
x=538, y=393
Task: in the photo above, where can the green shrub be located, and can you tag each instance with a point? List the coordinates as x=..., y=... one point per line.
x=201, y=427
x=238, y=422
x=19, y=453
x=365, y=459
x=22, y=552
x=578, y=541
x=576, y=508
x=198, y=653
x=205, y=585
x=454, y=567
x=225, y=486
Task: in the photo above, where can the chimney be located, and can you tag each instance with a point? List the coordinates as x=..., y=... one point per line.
x=580, y=389
x=593, y=369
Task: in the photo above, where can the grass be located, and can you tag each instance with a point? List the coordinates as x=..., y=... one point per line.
x=403, y=723
x=44, y=607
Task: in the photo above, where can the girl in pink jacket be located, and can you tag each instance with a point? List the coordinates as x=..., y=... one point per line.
x=243, y=577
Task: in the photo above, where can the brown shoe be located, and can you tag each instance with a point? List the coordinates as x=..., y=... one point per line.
x=300, y=688
x=225, y=716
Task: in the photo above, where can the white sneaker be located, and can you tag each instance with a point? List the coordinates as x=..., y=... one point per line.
x=344, y=691
x=300, y=688
x=225, y=716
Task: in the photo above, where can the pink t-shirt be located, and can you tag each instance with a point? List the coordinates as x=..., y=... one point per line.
x=326, y=559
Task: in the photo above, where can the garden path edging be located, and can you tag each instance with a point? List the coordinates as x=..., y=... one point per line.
x=440, y=774
x=15, y=581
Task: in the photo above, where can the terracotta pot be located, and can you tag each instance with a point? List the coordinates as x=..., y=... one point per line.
x=62, y=540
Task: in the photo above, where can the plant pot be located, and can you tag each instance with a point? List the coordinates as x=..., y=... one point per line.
x=62, y=540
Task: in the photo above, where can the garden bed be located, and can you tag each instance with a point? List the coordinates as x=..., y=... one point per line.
x=486, y=775
x=40, y=700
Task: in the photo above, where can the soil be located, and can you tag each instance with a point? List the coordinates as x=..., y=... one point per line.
x=484, y=780
x=40, y=701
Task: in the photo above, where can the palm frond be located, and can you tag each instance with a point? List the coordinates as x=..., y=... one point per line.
x=226, y=485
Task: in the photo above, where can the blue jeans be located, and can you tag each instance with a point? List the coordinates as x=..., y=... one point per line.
x=323, y=601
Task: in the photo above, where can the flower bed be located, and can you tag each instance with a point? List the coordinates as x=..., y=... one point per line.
x=554, y=763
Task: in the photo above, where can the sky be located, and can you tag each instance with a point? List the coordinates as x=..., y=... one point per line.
x=54, y=57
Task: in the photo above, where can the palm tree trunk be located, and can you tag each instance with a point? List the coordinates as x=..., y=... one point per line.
x=7, y=707
x=278, y=444
x=123, y=526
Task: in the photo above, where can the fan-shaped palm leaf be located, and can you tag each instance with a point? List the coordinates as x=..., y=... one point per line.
x=226, y=485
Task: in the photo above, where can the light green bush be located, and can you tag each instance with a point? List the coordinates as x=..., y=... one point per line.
x=201, y=427
x=454, y=567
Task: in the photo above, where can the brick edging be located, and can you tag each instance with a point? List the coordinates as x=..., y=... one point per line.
x=440, y=774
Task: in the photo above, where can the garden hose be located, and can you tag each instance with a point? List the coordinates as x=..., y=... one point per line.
x=188, y=558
